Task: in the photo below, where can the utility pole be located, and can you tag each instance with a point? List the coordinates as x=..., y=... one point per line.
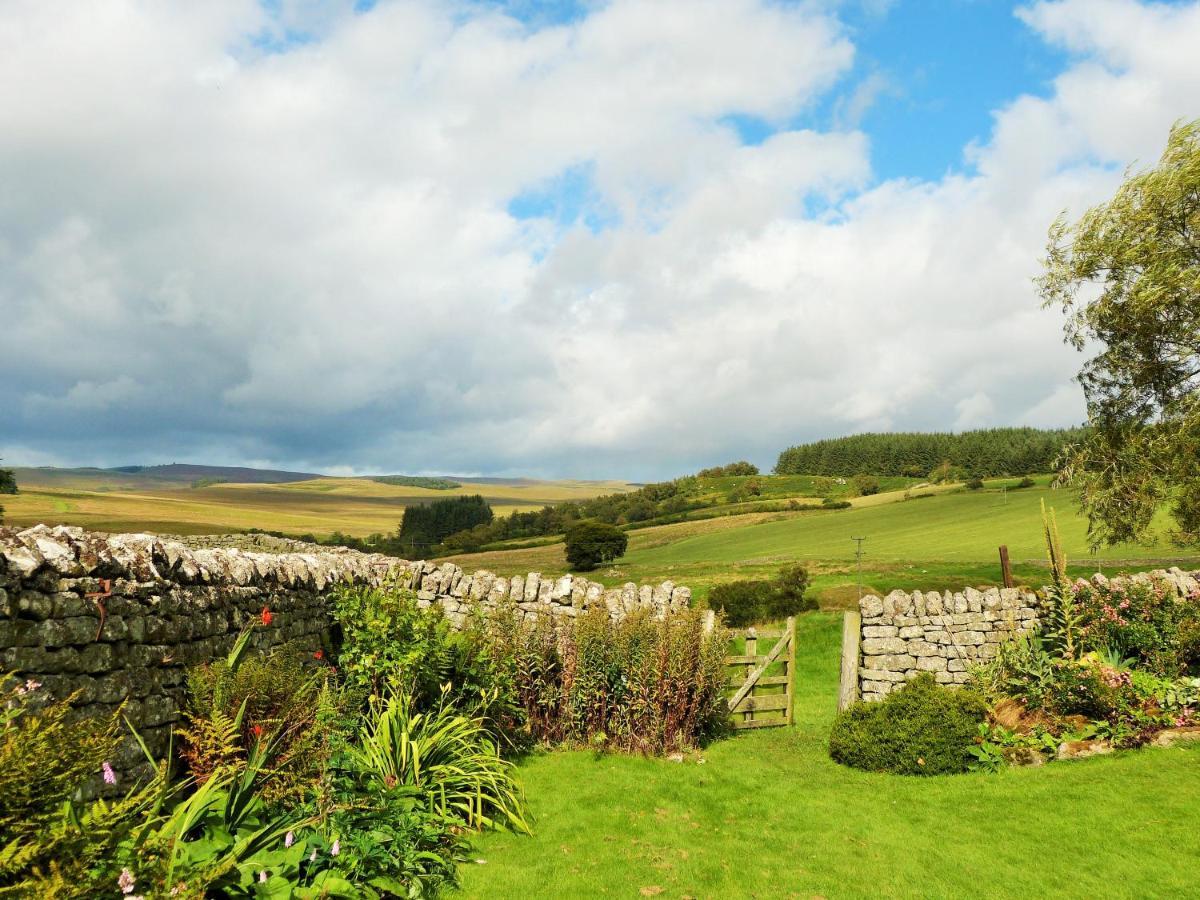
x=858, y=559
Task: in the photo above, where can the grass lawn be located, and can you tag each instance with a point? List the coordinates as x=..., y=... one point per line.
x=768, y=815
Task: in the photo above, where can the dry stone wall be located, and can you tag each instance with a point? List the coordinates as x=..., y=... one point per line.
x=117, y=619
x=904, y=634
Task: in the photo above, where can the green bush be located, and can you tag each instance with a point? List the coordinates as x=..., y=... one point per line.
x=753, y=601
x=1025, y=482
x=975, y=484
x=734, y=468
x=830, y=503
x=389, y=642
x=921, y=729
x=742, y=602
x=866, y=485
x=591, y=543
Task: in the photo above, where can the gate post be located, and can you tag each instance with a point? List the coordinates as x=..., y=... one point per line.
x=791, y=671
x=851, y=636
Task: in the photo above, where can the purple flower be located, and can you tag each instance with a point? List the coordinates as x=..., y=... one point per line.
x=289, y=839
x=126, y=881
x=110, y=777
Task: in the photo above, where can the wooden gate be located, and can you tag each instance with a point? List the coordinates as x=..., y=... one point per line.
x=757, y=692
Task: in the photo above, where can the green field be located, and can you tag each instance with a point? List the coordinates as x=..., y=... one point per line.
x=766, y=814
x=944, y=540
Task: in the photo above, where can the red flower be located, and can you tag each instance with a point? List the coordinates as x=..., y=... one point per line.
x=257, y=731
x=266, y=616
x=320, y=654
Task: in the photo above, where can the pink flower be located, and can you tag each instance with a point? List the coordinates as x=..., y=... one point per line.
x=126, y=881
x=110, y=777
x=262, y=877
x=289, y=839
x=312, y=857
x=336, y=848
x=31, y=685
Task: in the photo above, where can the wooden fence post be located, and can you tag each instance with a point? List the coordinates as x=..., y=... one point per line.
x=851, y=635
x=1005, y=566
x=791, y=670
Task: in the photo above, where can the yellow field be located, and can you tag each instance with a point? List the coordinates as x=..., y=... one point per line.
x=357, y=506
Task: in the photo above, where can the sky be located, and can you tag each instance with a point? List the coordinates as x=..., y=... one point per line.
x=614, y=239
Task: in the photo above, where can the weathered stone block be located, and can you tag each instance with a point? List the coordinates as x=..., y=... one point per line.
x=873, y=646
x=870, y=606
x=879, y=631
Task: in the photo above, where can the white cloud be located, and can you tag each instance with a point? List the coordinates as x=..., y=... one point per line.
x=304, y=255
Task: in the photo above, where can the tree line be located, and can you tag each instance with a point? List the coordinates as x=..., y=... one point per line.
x=984, y=453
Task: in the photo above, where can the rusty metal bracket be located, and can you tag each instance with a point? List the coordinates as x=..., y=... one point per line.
x=98, y=599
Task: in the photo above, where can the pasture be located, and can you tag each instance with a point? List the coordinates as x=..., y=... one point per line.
x=768, y=814
x=113, y=501
x=943, y=538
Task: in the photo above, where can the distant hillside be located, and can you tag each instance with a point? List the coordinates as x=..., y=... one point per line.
x=166, y=476
x=984, y=453
x=186, y=472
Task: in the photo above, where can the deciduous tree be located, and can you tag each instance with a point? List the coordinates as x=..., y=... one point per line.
x=1127, y=277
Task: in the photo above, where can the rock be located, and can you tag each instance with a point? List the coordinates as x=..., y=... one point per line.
x=1023, y=756
x=870, y=606
x=879, y=631
x=1083, y=749
x=1172, y=736
x=872, y=646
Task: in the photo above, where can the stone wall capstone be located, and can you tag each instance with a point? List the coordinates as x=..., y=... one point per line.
x=904, y=634
x=118, y=619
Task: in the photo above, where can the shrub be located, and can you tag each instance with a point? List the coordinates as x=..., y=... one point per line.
x=591, y=543
x=277, y=701
x=734, y=468
x=830, y=503
x=921, y=729
x=1025, y=482
x=389, y=642
x=750, y=601
x=386, y=639
x=639, y=684
x=742, y=602
x=1142, y=619
x=866, y=485
x=975, y=484
x=52, y=843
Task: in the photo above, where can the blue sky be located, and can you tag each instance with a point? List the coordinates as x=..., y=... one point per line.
x=605, y=239
x=927, y=79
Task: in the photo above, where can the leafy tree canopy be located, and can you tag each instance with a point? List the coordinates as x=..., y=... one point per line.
x=984, y=453
x=8, y=482
x=1127, y=277
x=427, y=525
x=591, y=543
